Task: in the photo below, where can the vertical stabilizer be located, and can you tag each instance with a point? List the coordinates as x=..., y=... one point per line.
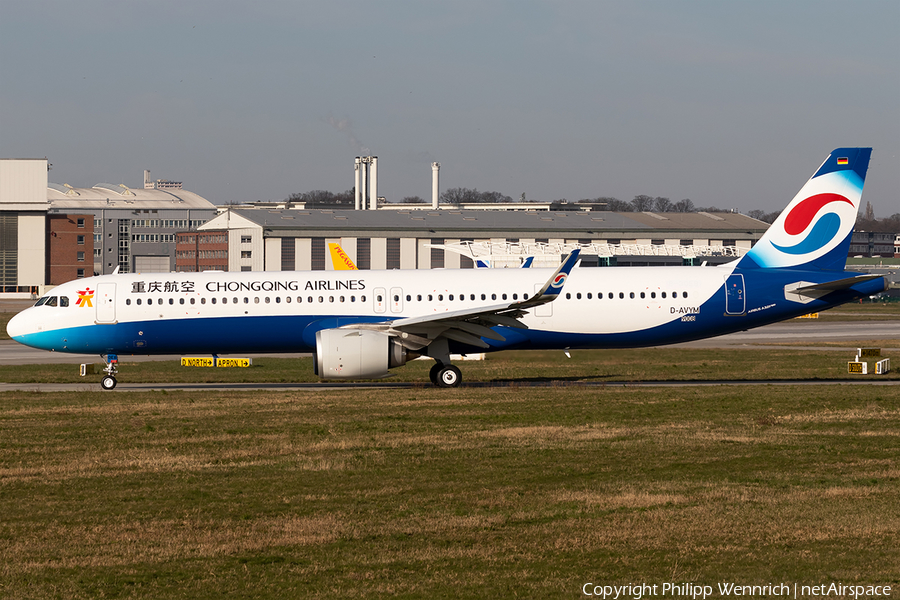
x=814, y=231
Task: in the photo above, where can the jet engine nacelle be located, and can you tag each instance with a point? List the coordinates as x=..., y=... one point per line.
x=356, y=353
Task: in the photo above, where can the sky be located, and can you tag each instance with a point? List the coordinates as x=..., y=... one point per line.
x=730, y=104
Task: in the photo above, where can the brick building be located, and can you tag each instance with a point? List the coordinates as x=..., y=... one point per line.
x=70, y=247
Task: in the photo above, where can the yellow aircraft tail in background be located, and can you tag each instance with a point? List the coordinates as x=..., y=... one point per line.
x=339, y=259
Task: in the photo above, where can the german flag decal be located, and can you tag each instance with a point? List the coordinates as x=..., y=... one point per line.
x=843, y=161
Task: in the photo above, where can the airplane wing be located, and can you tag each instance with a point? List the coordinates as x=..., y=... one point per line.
x=468, y=326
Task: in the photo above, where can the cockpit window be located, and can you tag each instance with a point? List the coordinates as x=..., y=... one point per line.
x=64, y=301
x=42, y=301
x=51, y=301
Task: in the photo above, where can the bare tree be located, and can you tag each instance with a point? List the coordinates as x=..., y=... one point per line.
x=642, y=203
x=661, y=204
x=412, y=200
x=683, y=206
x=870, y=212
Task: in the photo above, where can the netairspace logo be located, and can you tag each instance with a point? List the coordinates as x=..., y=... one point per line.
x=637, y=591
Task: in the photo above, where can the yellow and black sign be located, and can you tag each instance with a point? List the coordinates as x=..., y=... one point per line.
x=198, y=361
x=859, y=368
x=234, y=362
x=209, y=361
x=868, y=352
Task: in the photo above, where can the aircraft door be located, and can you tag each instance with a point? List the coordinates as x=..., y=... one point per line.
x=106, y=303
x=542, y=310
x=396, y=300
x=380, y=302
x=735, y=295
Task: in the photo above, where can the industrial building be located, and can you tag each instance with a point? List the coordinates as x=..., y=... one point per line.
x=296, y=239
x=51, y=233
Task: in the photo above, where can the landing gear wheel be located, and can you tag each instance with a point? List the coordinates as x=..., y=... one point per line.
x=433, y=374
x=448, y=376
x=108, y=382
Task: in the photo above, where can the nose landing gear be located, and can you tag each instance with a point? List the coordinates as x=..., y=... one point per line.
x=109, y=380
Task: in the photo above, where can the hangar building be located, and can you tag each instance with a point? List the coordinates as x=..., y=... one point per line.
x=296, y=239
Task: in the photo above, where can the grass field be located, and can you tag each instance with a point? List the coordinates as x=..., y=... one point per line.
x=426, y=493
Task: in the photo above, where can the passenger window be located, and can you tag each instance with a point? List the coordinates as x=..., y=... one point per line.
x=193, y=301
x=309, y=299
x=430, y=298
x=321, y=299
x=268, y=300
x=611, y=295
x=643, y=295
x=277, y=299
x=181, y=301
x=525, y=296
x=493, y=296
x=621, y=295
x=503, y=296
x=684, y=294
x=213, y=301
x=362, y=298
x=150, y=301
x=138, y=301
x=171, y=300
x=408, y=298
x=440, y=297
x=352, y=298
x=128, y=302
x=577, y=296
x=653, y=294
x=471, y=296
x=516, y=296
x=631, y=295
x=419, y=297
x=589, y=296
x=450, y=297
x=234, y=300
x=256, y=300
x=568, y=296
x=342, y=298
x=484, y=296
x=663, y=294
x=287, y=299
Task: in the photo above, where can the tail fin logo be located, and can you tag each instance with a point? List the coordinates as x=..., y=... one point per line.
x=823, y=231
x=559, y=280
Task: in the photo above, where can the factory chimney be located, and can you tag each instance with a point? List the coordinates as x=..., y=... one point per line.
x=356, y=188
x=435, y=188
x=373, y=186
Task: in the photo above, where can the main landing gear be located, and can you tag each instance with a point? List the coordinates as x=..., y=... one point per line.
x=109, y=380
x=443, y=375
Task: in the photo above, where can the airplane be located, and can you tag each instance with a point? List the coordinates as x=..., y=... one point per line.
x=361, y=324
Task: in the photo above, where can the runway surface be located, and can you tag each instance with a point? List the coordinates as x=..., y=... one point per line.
x=808, y=333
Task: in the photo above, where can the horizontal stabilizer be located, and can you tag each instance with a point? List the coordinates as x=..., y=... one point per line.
x=834, y=286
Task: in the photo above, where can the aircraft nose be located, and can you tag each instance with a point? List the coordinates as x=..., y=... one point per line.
x=18, y=326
